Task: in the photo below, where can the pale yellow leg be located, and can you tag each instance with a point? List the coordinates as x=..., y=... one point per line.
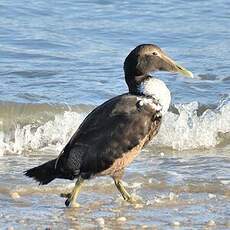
x=123, y=191
x=71, y=201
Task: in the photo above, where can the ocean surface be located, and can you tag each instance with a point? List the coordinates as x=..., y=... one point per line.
x=60, y=59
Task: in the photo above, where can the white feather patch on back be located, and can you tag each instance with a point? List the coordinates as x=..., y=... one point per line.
x=151, y=102
x=157, y=89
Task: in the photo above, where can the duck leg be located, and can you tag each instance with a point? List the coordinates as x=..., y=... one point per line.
x=71, y=197
x=123, y=191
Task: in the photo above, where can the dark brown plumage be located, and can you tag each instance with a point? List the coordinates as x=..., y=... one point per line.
x=109, y=131
x=113, y=134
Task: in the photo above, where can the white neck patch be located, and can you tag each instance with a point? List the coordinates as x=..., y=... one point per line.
x=157, y=89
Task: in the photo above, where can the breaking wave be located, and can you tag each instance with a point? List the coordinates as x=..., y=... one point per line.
x=26, y=128
x=187, y=129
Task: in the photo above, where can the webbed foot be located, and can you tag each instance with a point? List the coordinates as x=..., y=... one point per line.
x=131, y=200
x=71, y=203
x=66, y=195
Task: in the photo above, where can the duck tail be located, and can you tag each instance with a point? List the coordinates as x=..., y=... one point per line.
x=44, y=173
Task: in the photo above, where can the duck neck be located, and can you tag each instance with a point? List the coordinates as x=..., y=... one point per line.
x=134, y=83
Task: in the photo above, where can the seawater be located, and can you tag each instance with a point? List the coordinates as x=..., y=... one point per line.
x=59, y=61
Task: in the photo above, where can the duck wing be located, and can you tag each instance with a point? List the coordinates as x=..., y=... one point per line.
x=109, y=132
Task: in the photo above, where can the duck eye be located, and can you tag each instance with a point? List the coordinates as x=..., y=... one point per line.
x=155, y=53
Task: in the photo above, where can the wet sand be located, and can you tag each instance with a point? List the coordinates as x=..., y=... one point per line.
x=174, y=190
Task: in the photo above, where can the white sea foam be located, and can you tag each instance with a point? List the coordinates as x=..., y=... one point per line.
x=30, y=137
x=185, y=130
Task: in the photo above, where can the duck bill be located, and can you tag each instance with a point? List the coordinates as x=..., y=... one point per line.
x=172, y=66
x=183, y=71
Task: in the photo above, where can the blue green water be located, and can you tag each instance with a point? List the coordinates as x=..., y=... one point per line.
x=73, y=52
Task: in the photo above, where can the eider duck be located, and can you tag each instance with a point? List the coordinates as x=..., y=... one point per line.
x=114, y=133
